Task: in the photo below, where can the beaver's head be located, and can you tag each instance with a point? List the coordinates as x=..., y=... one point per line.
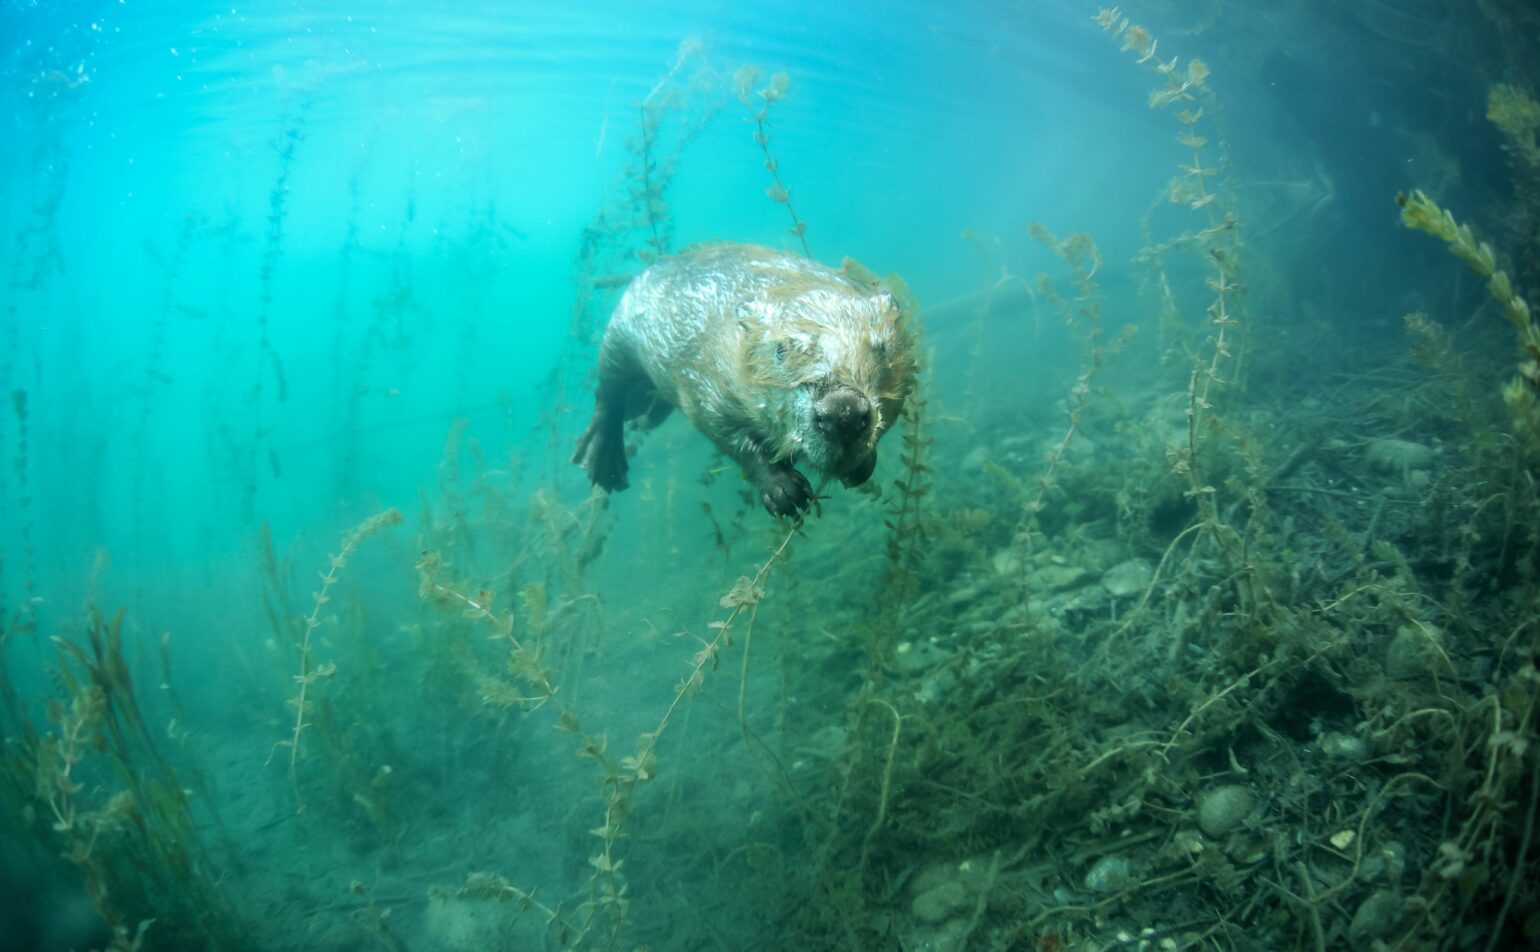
x=841, y=365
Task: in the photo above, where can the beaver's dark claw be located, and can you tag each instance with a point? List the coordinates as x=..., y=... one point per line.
x=784, y=491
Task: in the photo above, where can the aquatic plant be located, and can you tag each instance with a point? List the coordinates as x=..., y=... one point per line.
x=1350, y=765
x=1420, y=212
x=374, y=919
x=155, y=376
x=268, y=360
x=534, y=688
x=846, y=820
x=98, y=788
x=1009, y=761
x=54, y=83
x=390, y=307
x=490, y=887
x=309, y=672
x=632, y=226
x=1240, y=725
x=346, y=395
x=1001, y=292
x=1079, y=252
x=906, y=529
x=602, y=915
x=22, y=465
x=1513, y=110
x=906, y=532
x=653, y=162
x=1215, y=240
x=772, y=92
x=272, y=250
x=479, y=255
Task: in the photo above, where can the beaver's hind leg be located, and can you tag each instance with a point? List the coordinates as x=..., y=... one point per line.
x=622, y=386
x=602, y=450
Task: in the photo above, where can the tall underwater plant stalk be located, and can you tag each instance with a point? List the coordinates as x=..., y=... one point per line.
x=154, y=371
x=632, y=226
x=906, y=529
x=346, y=387
x=1522, y=393
x=25, y=519
x=1215, y=241
x=1079, y=252
x=599, y=920
x=97, y=787
x=51, y=78
x=309, y=672
x=652, y=167
x=772, y=92
x=268, y=360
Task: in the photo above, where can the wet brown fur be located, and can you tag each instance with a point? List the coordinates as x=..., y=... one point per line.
x=746, y=341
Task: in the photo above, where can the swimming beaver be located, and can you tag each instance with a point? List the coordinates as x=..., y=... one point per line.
x=774, y=357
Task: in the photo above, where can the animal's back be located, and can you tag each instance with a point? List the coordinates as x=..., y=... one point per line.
x=684, y=314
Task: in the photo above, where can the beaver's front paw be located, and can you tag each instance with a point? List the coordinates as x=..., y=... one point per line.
x=784, y=491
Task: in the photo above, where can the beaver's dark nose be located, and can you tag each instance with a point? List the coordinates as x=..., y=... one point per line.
x=843, y=414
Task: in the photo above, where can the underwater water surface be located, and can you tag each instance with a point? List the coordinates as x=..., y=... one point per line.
x=1192, y=602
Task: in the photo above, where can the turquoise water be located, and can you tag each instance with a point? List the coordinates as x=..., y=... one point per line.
x=270, y=271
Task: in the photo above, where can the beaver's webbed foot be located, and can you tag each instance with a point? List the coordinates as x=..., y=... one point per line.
x=783, y=490
x=602, y=451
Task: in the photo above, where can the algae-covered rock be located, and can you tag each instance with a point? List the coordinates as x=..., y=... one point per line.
x=1413, y=652
x=824, y=745
x=913, y=657
x=1387, y=862
x=1110, y=874
x=1399, y=458
x=1128, y=578
x=936, y=686
x=1376, y=918
x=966, y=595
x=467, y=925
x=940, y=902
x=1055, y=578
x=1222, y=810
x=1343, y=746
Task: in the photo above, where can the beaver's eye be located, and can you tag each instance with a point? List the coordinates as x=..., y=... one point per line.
x=782, y=350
